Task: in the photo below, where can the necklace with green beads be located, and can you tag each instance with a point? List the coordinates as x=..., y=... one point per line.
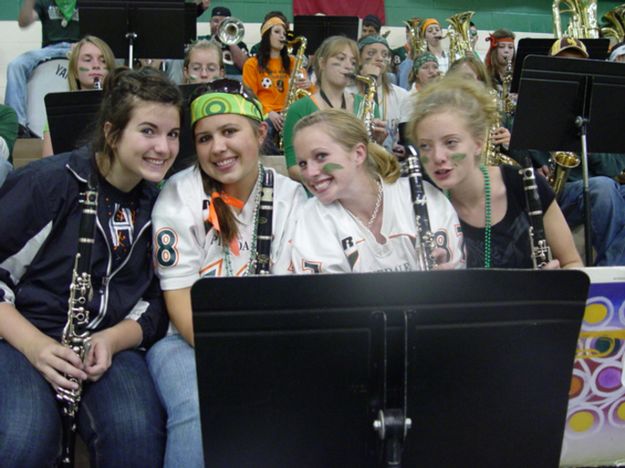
x=487, y=215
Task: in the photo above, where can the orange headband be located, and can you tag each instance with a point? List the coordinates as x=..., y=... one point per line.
x=428, y=22
x=270, y=23
x=496, y=40
x=214, y=219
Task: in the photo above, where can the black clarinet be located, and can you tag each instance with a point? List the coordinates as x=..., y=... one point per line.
x=265, y=223
x=75, y=336
x=425, y=239
x=540, y=251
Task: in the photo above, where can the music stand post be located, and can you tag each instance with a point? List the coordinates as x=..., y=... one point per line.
x=135, y=28
x=571, y=95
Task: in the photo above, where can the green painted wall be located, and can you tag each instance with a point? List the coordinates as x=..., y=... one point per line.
x=518, y=15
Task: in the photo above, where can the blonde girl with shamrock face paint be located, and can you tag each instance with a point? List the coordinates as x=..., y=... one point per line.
x=449, y=126
x=362, y=217
x=208, y=221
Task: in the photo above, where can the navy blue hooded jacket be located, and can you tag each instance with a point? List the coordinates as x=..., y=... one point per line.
x=39, y=223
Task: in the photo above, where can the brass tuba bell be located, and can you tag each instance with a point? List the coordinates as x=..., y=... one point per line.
x=615, y=28
x=417, y=40
x=583, y=20
x=231, y=31
x=458, y=31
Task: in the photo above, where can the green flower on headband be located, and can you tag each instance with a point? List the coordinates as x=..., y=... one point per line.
x=216, y=103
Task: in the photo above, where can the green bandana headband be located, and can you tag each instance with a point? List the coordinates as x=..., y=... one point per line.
x=67, y=8
x=224, y=103
x=423, y=58
x=372, y=39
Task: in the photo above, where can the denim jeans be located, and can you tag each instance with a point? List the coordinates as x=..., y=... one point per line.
x=5, y=168
x=18, y=74
x=120, y=418
x=607, y=212
x=172, y=364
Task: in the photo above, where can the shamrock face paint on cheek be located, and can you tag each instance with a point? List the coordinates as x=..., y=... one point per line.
x=329, y=168
x=425, y=160
x=457, y=157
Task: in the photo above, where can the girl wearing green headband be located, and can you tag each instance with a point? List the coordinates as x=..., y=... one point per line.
x=424, y=70
x=208, y=221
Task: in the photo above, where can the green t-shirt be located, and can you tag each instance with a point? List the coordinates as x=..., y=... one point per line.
x=8, y=127
x=299, y=109
x=52, y=29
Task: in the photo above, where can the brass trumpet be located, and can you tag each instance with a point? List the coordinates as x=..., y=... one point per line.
x=231, y=31
x=561, y=164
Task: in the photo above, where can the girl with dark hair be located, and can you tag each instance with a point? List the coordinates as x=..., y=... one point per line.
x=209, y=221
x=268, y=74
x=500, y=53
x=43, y=209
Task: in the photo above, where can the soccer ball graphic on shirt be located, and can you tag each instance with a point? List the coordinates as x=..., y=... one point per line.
x=266, y=82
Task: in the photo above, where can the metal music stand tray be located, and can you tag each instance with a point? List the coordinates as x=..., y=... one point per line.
x=571, y=105
x=382, y=369
x=147, y=29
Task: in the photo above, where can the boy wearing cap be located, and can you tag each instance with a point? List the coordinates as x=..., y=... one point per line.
x=607, y=198
x=371, y=25
x=234, y=55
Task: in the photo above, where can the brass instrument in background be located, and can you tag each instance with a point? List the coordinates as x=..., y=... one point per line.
x=458, y=33
x=231, y=31
x=560, y=165
x=506, y=98
x=615, y=19
x=583, y=20
x=367, y=107
x=492, y=156
x=417, y=40
x=294, y=93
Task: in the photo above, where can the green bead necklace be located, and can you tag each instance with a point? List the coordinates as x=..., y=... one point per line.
x=487, y=215
x=251, y=267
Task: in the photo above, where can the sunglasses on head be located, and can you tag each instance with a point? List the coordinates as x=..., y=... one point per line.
x=230, y=86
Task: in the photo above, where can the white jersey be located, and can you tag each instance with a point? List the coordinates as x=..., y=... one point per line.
x=329, y=239
x=184, y=251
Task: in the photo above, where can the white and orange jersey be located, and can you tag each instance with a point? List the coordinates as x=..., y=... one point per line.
x=184, y=250
x=329, y=239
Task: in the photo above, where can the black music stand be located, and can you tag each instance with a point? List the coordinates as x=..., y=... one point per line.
x=597, y=50
x=562, y=107
x=354, y=369
x=318, y=28
x=72, y=117
x=147, y=29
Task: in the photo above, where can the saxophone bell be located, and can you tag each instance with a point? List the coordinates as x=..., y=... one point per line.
x=560, y=165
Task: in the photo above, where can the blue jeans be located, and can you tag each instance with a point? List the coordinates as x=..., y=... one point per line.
x=120, y=418
x=172, y=364
x=607, y=211
x=5, y=168
x=19, y=71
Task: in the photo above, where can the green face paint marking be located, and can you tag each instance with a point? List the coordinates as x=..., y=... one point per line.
x=192, y=78
x=331, y=167
x=83, y=69
x=457, y=157
x=425, y=160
